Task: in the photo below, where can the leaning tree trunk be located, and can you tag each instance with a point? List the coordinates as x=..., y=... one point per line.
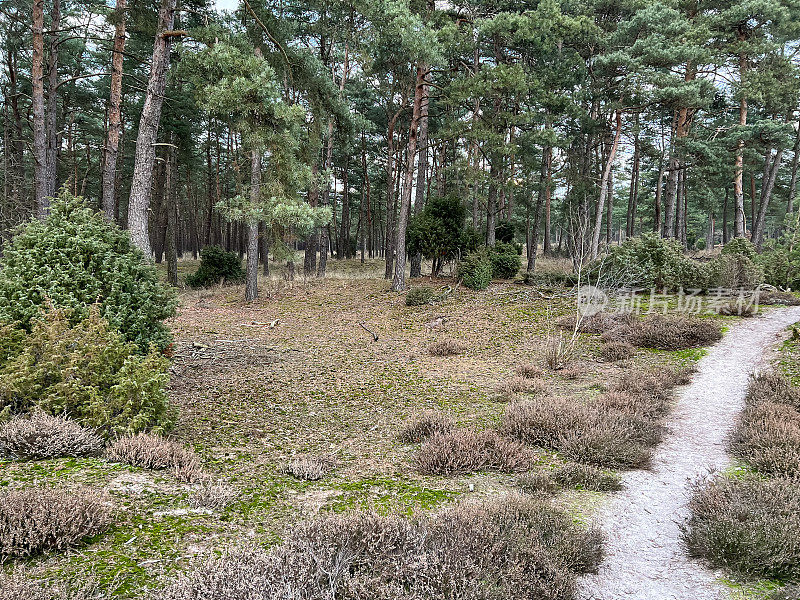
x=771, y=167
x=139, y=204
x=114, y=115
x=251, y=278
x=37, y=106
x=399, y=281
x=544, y=185
x=422, y=163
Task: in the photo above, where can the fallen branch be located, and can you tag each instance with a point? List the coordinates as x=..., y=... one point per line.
x=368, y=330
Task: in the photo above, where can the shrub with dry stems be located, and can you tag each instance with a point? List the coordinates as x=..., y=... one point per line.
x=214, y=495
x=614, y=351
x=559, y=351
x=737, y=309
x=537, y=482
x=464, y=451
x=521, y=385
x=530, y=371
x=446, y=347
x=790, y=592
x=309, y=468
x=597, y=323
x=776, y=297
x=571, y=372
x=510, y=547
x=667, y=332
x=772, y=386
x=587, y=477
x=15, y=587
x=423, y=426
x=749, y=525
x=33, y=520
x=40, y=436
x=155, y=452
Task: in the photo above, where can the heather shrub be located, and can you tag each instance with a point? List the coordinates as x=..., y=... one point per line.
x=559, y=351
x=613, y=441
x=750, y=526
x=733, y=271
x=530, y=371
x=34, y=520
x=772, y=386
x=88, y=373
x=216, y=266
x=15, y=587
x=673, y=332
x=614, y=351
x=40, y=435
x=536, y=482
x=517, y=384
x=587, y=477
x=511, y=547
x=463, y=451
x=790, y=592
x=475, y=270
x=419, y=296
x=149, y=451
x=768, y=437
x=599, y=322
x=776, y=297
x=75, y=259
x=423, y=426
x=446, y=348
x=505, y=259
x=309, y=468
x=213, y=495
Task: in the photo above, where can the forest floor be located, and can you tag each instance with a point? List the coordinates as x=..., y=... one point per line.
x=294, y=373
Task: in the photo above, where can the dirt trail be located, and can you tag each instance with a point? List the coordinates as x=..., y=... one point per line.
x=645, y=559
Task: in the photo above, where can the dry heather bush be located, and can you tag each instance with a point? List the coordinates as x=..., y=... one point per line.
x=737, y=309
x=511, y=547
x=790, y=592
x=750, y=525
x=446, y=348
x=543, y=421
x=155, y=452
x=309, y=468
x=596, y=323
x=214, y=495
x=772, y=297
x=423, y=426
x=39, y=435
x=537, y=482
x=771, y=386
x=559, y=351
x=768, y=437
x=16, y=587
x=613, y=441
x=614, y=351
x=521, y=385
x=530, y=371
x=34, y=520
x=587, y=477
x=463, y=451
x=571, y=372
x=673, y=332
x=656, y=384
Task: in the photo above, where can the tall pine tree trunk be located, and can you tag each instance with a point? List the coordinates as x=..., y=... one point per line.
x=115, y=114
x=52, y=100
x=738, y=186
x=37, y=106
x=139, y=203
x=399, y=281
x=251, y=277
x=422, y=163
x=771, y=167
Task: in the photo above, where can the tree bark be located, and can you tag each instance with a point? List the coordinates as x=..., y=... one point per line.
x=771, y=167
x=52, y=100
x=598, y=223
x=388, y=240
x=399, y=281
x=544, y=186
x=793, y=182
x=251, y=277
x=422, y=163
x=37, y=106
x=171, y=201
x=139, y=203
x=738, y=187
x=115, y=114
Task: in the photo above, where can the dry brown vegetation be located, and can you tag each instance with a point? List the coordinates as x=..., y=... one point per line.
x=446, y=348
x=309, y=468
x=423, y=426
x=613, y=351
x=768, y=433
x=41, y=436
x=34, y=520
x=616, y=429
x=507, y=547
x=155, y=452
x=522, y=385
x=214, y=495
x=530, y=370
x=464, y=451
x=586, y=477
x=749, y=525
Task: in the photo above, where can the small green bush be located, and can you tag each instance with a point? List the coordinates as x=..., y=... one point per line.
x=506, y=262
x=88, y=373
x=475, y=270
x=504, y=232
x=216, y=266
x=419, y=296
x=740, y=247
x=75, y=259
x=648, y=261
x=734, y=271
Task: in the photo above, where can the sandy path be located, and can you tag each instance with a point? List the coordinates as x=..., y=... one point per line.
x=645, y=559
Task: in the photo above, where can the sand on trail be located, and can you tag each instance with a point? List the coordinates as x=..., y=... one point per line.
x=645, y=559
